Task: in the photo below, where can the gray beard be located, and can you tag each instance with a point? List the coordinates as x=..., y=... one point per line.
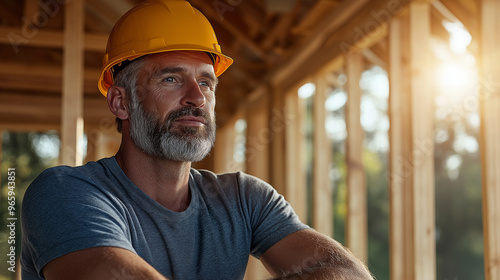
x=155, y=138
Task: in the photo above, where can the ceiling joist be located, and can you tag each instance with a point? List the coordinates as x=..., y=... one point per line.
x=17, y=37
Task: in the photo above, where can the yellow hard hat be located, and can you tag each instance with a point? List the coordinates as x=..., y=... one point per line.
x=156, y=26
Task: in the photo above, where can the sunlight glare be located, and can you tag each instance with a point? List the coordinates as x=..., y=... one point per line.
x=456, y=73
x=460, y=38
x=307, y=90
x=453, y=76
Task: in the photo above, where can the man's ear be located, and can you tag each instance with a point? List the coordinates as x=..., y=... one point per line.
x=117, y=102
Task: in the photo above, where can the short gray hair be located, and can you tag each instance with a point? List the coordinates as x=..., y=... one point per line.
x=127, y=78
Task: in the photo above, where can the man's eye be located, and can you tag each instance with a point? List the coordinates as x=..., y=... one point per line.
x=169, y=79
x=205, y=84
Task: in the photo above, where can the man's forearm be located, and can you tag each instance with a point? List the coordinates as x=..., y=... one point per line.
x=336, y=267
x=109, y=263
x=308, y=254
x=328, y=273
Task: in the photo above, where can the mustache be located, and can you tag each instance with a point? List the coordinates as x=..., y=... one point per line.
x=189, y=111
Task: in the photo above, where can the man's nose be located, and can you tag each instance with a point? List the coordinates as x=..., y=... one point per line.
x=193, y=95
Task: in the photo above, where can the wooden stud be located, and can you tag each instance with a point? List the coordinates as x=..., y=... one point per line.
x=322, y=187
x=258, y=139
x=257, y=161
x=224, y=147
x=278, y=124
x=72, y=101
x=400, y=171
x=296, y=183
x=103, y=140
x=422, y=154
x=106, y=143
x=490, y=135
x=356, y=228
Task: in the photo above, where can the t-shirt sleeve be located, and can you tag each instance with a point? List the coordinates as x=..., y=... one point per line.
x=271, y=216
x=65, y=212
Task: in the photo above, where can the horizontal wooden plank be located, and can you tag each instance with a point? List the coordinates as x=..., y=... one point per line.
x=14, y=76
x=37, y=108
x=47, y=38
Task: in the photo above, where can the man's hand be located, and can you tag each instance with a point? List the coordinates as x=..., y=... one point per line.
x=308, y=254
x=106, y=263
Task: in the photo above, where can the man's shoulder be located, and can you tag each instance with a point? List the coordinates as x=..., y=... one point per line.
x=67, y=177
x=239, y=183
x=239, y=177
x=82, y=170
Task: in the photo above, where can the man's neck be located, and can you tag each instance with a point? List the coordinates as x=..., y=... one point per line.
x=163, y=180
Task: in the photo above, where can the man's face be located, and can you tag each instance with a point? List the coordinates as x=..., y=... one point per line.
x=174, y=115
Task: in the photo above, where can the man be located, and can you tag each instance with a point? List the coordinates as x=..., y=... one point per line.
x=145, y=213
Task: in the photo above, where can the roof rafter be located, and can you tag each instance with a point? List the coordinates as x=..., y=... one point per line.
x=231, y=21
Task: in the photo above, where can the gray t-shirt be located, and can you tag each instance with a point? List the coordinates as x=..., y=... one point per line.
x=230, y=216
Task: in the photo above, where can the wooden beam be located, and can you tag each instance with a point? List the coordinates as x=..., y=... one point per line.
x=72, y=94
x=422, y=109
x=257, y=160
x=38, y=111
x=225, y=14
x=254, y=15
x=316, y=38
x=101, y=143
x=322, y=186
x=42, y=77
x=223, y=151
x=47, y=38
x=278, y=123
x=31, y=105
x=317, y=11
x=279, y=6
x=279, y=30
x=359, y=24
x=224, y=148
x=30, y=8
x=373, y=58
x=400, y=170
x=95, y=42
x=259, y=137
x=356, y=228
x=108, y=11
x=296, y=182
x=467, y=15
x=443, y=10
x=490, y=135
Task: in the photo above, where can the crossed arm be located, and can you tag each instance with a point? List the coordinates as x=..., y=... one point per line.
x=305, y=254
x=308, y=254
x=110, y=263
